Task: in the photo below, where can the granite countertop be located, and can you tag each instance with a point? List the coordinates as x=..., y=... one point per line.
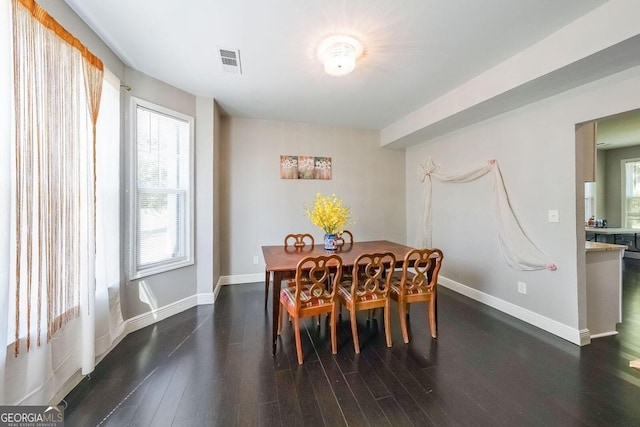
x=597, y=246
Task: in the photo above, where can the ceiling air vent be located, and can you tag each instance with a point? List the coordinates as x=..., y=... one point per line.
x=230, y=60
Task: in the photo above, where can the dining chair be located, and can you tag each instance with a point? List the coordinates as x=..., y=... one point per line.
x=312, y=296
x=368, y=290
x=418, y=286
x=298, y=241
x=344, y=241
x=344, y=237
x=295, y=242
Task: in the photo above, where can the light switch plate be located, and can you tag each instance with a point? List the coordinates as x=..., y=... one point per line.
x=554, y=215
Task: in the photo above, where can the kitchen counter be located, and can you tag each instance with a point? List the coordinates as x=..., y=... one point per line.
x=604, y=287
x=597, y=246
x=622, y=235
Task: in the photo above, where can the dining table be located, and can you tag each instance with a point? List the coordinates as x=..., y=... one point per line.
x=280, y=260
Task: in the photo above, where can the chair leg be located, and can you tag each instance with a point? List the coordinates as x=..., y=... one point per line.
x=387, y=323
x=283, y=312
x=296, y=326
x=334, y=339
x=402, y=310
x=432, y=317
x=354, y=330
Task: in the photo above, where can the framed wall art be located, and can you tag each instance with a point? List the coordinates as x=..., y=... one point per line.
x=305, y=167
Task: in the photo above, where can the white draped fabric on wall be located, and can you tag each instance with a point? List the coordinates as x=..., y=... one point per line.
x=38, y=375
x=516, y=248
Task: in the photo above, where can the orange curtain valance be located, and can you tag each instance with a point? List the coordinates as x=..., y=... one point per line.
x=49, y=22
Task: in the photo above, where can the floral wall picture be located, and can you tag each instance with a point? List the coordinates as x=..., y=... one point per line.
x=289, y=167
x=322, y=168
x=305, y=167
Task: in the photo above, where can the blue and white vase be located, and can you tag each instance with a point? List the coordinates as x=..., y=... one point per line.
x=330, y=242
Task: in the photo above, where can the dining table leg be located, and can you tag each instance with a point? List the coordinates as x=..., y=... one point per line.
x=275, y=297
x=267, y=276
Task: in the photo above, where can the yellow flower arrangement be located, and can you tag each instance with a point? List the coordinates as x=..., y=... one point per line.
x=328, y=213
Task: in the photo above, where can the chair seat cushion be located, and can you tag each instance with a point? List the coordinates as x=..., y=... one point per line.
x=395, y=289
x=345, y=293
x=307, y=298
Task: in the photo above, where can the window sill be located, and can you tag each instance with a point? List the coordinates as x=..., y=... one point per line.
x=159, y=269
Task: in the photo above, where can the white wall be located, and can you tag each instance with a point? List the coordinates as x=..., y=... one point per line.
x=258, y=208
x=217, y=191
x=207, y=147
x=535, y=147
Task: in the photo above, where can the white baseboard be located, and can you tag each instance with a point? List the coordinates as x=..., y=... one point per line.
x=556, y=328
x=585, y=337
x=206, y=299
x=604, y=334
x=158, y=314
x=241, y=278
x=216, y=289
x=236, y=280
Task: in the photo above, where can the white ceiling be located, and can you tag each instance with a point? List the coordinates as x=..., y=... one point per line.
x=621, y=130
x=415, y=50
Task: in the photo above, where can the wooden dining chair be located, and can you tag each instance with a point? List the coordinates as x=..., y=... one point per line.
x=344, y=237
x=420, y=286
x=292, y=242
x=344, y=242
x=368, y=290
x=312, y=296
x=297, y=241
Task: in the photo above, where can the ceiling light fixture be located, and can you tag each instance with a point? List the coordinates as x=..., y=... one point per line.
x=339, y=53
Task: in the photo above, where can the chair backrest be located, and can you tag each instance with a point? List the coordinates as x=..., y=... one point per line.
x=314, y=276
x=426, y=263
x=372, y=275
x=298, y=240
x=345, y=236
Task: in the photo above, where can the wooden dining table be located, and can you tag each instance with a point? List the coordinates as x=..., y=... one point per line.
x=280, y=260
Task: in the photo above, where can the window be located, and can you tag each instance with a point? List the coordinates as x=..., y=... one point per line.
x=631, y=192
x=162, y=199
x=589, y=200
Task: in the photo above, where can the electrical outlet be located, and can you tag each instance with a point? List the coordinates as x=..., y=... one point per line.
x=522, y=288
x=255, y=259
x=554, y=215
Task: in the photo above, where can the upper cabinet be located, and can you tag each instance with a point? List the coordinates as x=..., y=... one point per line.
x=586, y=140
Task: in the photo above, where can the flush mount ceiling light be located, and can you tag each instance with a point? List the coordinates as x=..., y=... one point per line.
x=338, y=54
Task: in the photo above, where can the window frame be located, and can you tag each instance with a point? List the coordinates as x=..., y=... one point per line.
x=188, y=258
x=623, y=198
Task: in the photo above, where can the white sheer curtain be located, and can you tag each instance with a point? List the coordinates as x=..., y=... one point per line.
x=516, y=248
x=109, y=322
x=5, y=179
x=36, y=376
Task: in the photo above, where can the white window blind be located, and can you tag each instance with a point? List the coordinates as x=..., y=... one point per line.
x=162, y=217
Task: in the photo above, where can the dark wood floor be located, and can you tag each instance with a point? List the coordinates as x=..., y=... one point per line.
x=213, y=366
